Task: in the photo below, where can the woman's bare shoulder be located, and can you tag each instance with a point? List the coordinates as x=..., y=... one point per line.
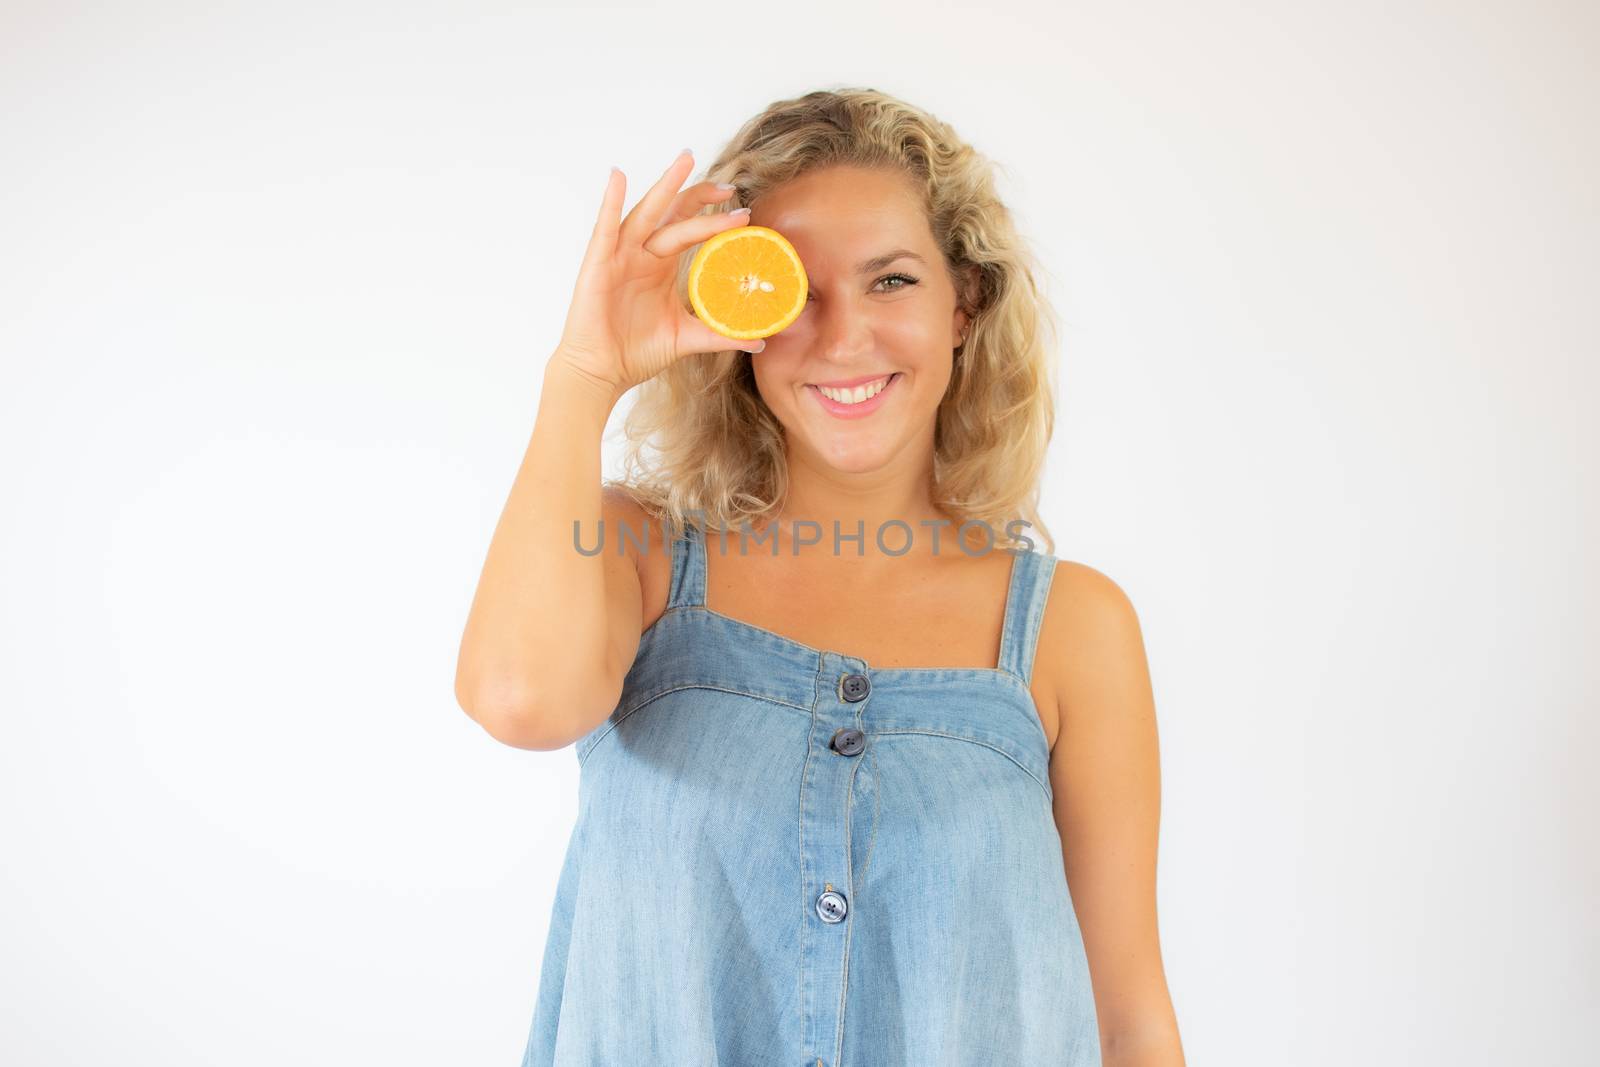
x=644, y=543
x=1089, y=627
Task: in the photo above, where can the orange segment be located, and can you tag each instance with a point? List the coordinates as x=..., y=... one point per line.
x=747, y=282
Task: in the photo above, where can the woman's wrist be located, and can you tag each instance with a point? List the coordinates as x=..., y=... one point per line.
x=567, y=381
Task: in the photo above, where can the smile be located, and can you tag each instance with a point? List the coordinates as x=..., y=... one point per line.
x=856, y=401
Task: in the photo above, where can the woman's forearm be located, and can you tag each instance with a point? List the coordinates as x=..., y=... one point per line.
x=1148, y=1042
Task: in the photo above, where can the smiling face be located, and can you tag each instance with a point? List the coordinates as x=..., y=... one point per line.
x=871, y=314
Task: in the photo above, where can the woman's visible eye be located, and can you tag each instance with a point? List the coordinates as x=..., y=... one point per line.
x=906, y=278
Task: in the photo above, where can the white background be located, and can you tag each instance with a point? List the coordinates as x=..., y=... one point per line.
x=276, y=287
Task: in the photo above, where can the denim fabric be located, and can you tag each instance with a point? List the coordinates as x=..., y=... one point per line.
x=713, y=814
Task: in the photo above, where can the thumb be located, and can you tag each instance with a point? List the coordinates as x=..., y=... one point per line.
x=702, y=338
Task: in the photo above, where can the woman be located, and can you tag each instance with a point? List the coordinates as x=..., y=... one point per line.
x=852, y=792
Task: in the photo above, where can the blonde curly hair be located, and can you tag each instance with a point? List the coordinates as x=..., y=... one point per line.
x=699, y=438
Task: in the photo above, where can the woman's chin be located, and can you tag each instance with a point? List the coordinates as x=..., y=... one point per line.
x=851, y=453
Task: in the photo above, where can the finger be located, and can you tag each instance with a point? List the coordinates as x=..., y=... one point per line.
x=670, y=240
x=603, y=239
x=639, y=223
x=701, y=338
x=689, y=203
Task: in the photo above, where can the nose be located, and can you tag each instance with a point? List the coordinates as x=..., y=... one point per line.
x=843, y=332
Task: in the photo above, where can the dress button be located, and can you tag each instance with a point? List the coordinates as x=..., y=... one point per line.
x=855, y=687
x=848, y=741
x=831, y=907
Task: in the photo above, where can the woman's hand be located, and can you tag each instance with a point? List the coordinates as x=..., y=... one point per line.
x=626, y=323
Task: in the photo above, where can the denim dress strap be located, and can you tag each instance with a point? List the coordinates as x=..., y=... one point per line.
x=1031, y=573
x=688, y=569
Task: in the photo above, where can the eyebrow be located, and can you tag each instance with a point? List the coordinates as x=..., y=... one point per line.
x=879, y=262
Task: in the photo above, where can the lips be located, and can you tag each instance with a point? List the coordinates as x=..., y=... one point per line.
x=848, y=410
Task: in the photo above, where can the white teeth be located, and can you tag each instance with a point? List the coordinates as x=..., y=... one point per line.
x=855, y=395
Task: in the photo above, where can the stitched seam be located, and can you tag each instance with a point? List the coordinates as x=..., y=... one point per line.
x=849, y=919
x=807, y=932
x=811, y=650
x=616, y=719
x=970, y=741
x=877, y=801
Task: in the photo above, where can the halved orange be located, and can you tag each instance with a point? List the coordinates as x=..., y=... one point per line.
x=747, y=282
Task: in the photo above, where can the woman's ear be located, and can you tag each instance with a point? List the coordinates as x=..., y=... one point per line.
x=967, y=297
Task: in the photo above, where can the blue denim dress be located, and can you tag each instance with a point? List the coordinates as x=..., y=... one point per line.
x=786, y=857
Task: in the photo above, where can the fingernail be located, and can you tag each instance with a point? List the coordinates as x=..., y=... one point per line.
x=740, y=211
x=726, y=185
